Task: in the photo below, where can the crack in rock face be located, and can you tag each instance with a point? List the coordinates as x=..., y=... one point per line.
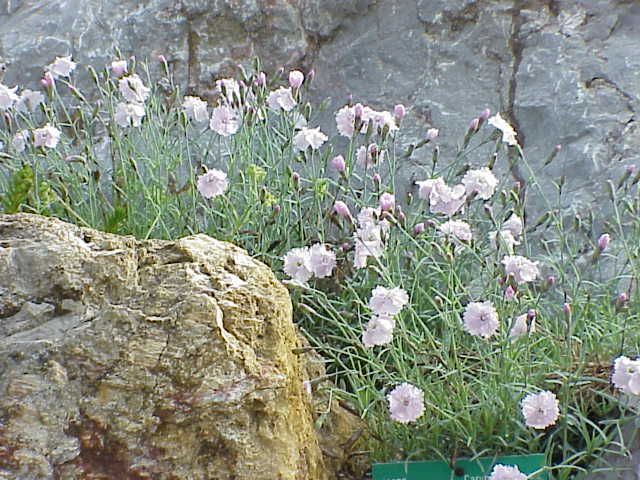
x=146, y=359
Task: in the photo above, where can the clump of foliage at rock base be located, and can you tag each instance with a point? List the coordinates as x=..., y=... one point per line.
x=447, y=289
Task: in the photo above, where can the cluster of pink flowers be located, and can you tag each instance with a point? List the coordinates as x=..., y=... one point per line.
x=301, y=264
x=385, y=303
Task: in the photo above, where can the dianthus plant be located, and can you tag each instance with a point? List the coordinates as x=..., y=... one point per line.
x=463, y=308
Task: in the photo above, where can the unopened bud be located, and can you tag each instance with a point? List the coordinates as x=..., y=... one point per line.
x=261, y=79
x=432, y=134
x=339, y=164
x=509, y=293
x=387, y=202
x=341, y=209
x=277, y=209
x=553, y=154
x=418, y=228
x=474, y=125
x=296, y=77
x=400, y=214
x=484, y=115
x=376, y=178
x=399, y=111
x=566, y=309
x=295, y=176
x=47, y=80
x=358, y=110
x=603, y=241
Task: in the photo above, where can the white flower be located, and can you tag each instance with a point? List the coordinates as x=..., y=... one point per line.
x=481, y=181
x=459, y=229
x=522, y=269
x=119, y=67
x=7, y=97
x=521, y=326
x=195, y=109
x=379, y=331
x=309, y=137
x=481, y=319
x=128, y=114
x=132, y=89
x=382, y=119
x=228, y=88
x=514, y=224
x=322, y=260
x=297, y=264
x=406, y=403
x=387, y=301
x=29, y=100
x=442, y=198
x=626, y=375
x=19, y=141
x=281, y=99
x=62, y=67
x=508, y=133
x=47, y=136
x=368, y=243
x=213, y=183
x=540, y=410
x=507, y=472
x=506, y=238
x=224, y=121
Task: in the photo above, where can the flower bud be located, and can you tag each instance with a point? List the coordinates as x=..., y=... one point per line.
x=261, y=79
x=338, y=164
x=553, y=154
x=474, y=125
x=603, y=241
x=295, y=176
x=550, y=282
x=162, y=59
x=341, y=209
x=387, y=201
x=621, y=300
x=566, y=309
x=119, y=67
x=400, y=214
x=296, y=77
x=376, y=178
x=432, y=134
x=399, y=111
x=484, y=115
x=311, y=75
x=631, y=169
x=47, y=80
x=277, y=209
x=509, y=293
x=358, y=110
x=418, y=228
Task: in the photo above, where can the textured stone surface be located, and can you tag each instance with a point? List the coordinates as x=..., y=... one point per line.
x=164, y=360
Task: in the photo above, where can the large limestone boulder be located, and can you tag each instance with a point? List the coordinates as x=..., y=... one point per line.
x=126, y=359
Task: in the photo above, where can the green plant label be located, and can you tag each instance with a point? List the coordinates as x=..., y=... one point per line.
x=462, y=469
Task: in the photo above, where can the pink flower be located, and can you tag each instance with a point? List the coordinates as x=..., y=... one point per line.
x=626, y=375
x=213, y=183
x=379, y=331
x=406, y=403
x=432, y=134
x=322, y=260
x=458, y=229
x=47, y=136
x=8, y=97
x=309, y=137
x=281, y=99
x=119, y=67
x=61, y=67
x=128, y=114
x=341, y=209
x=339, y=164
x=387, y=301
x=509, y=293
x=387, y=202
x=297, y=264
x=481, y=319
x=346, y=119
x=522, y=269
x=603, y=241
x=508, y=133
x=507, y=472
x=399, y=111
x=384, y=119
x=522, y=325
x=195, y=109
x=540, y=410
x=224, y=121
x=442, y=198
x=481, y=181
x=133, y=90
x=296, y=77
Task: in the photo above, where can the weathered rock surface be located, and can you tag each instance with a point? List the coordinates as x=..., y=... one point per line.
x=125, y=359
